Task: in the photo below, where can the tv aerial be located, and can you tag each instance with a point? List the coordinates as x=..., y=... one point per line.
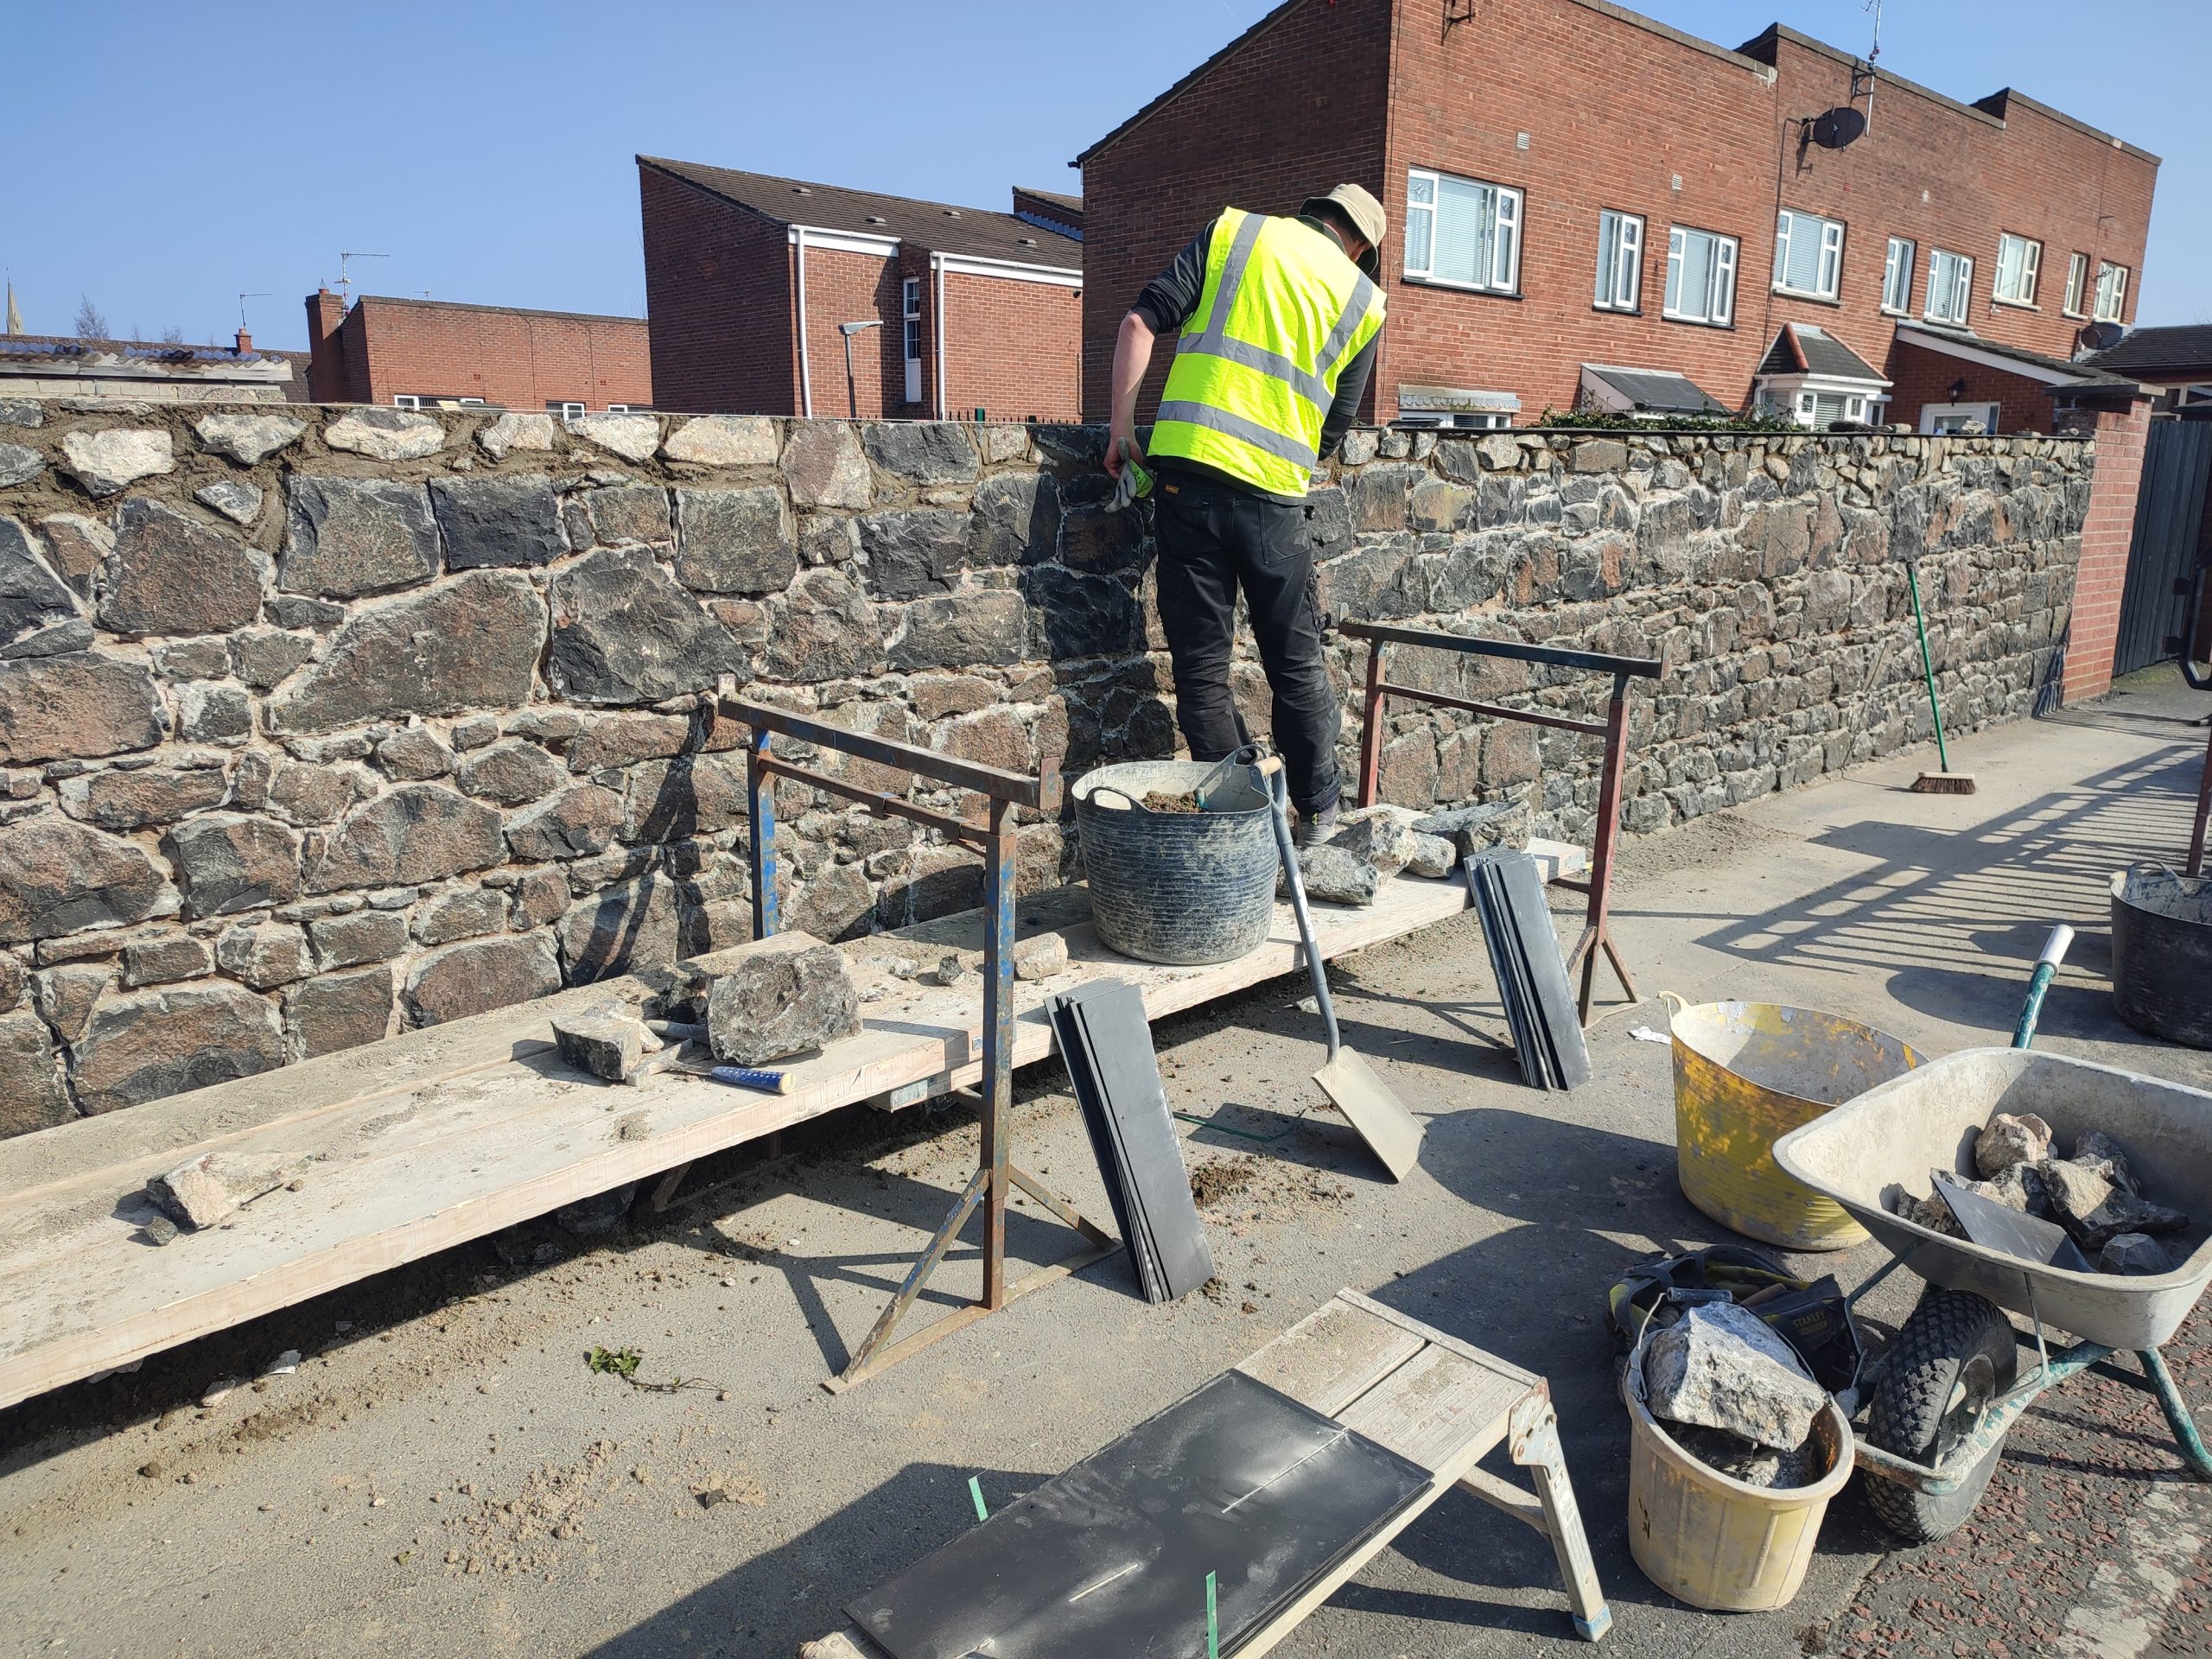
x=346, y=256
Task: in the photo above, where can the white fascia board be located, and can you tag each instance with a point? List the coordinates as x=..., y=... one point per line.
x=843, y=241
x=1458, y=397
x=969, y=264
x=1931, y=340
x=1851, y=384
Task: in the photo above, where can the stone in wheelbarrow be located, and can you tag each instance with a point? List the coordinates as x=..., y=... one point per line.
x=1721, y=1367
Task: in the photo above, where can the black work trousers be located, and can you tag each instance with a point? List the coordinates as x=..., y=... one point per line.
x=1215, y=539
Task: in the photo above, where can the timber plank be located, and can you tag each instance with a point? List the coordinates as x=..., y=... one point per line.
x=1331, y=1356
x=1431, y=1406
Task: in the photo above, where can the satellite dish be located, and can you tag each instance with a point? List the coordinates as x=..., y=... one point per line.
x=1838, y=127
x=2101, y=336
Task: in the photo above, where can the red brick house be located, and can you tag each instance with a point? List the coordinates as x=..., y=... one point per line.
x=2178, y=360
x=755, y=286
x=1587, y=207
x=432, y=353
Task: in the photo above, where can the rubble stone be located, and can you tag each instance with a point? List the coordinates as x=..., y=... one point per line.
x=826, y=630
x=264, y=658
x=348, y=537
x=1720, y=1367
x=578, y=823
x=922, y=452
x=414, y=756
x=19, y=465
x=734, y=541
x=247, y=438
x=171, y=575
x=823, y=466
x=674, y=800
x=471, y=642
x=622, y=929
x=1040, y=957
x=634, y=437
x=913, y=554
x=606, y=1045
x=2096, y=1150
x=264, y=954
x=65, y=997
x=307, y=794
x=143, y=1045
x=38, y=617
x=164, y=960
x=336, y=1011
x=417, y=833
x=228, y=861
x=778, y=1003
x=1333, y=876
x=479, y=976
x=213, y=714
x=32, y=1095
x=623, y=632
x=21, y=411
x=467, y=913
x=2133, y=1253
x=963, y=631
x=1473, y=829
x=2096, y=1211
x=629, y=512
x=513, y=431
x=1382, y=840
x=80, y=705
x=724, y=441
x=58, y=878
x=497, y=521
x=132, y=800
x=106, y=463
x=365, y=936
x=75, y=546
x=2009, y=1139
x=512, y=773
x=1433, y=856
x=386, y=433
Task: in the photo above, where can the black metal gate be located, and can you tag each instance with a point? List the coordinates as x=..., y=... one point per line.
x=2169, y=531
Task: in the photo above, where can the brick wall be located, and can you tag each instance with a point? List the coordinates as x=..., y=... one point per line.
x=1012, y=349
x=1655, y=125
x=718, y=290
x=1920, y=378
x=2106, y=531
x=319, y=724
x=843, y=287
x=515, y=359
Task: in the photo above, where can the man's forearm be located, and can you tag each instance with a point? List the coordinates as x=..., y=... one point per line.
x=1132, y=357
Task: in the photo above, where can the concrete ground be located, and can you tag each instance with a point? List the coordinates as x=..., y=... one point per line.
x=444, y=1473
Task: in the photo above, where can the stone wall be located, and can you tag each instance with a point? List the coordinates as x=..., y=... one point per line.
x=316, y=724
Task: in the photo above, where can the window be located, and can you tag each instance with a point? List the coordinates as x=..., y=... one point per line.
x=2112, y=291
x=1896, y=277
x=1950, y=281
x=406, y=400
x=2077, y=283
x=1478, y=420
x=477, y=402
x=1620, y=261
x=1819, y=409
x=1955, y=417
x=1808, y=254
x=2017, y=262
x=1700, y=276
x=617, y=409
x=910, y=299
x=1462, y=233
x=566, y=412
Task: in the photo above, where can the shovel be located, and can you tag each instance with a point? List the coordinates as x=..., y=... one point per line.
x=1391, y=1132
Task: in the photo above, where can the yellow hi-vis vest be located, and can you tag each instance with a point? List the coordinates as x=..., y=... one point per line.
x=1256, y=369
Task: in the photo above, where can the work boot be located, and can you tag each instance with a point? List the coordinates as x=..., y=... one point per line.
x=1316, y=826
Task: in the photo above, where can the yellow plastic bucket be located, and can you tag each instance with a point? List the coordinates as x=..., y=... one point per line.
x=1746, y=1074
x=1709, y=1539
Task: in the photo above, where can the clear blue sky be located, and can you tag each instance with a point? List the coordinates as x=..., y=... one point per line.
x=160, y=157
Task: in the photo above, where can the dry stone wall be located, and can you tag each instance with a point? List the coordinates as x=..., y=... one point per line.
x=316, y=724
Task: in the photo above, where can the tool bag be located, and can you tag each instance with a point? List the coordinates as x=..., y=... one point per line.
x=1810, y=1314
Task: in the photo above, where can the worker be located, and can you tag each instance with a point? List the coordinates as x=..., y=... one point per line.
x=1279, y=317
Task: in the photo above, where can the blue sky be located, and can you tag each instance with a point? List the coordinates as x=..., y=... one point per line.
x=163, y=157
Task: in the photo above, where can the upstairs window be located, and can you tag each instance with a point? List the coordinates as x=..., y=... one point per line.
x=1950, y=281
x=2112, y=291
x=1462, y=233
x=1700, y=276
x=2077, y=284
x=1896, y=277
x=1620, y=261
x=2018, y=260
x=1808, y=254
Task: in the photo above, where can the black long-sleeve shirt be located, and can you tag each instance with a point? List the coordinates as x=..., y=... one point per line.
x=1169, y=299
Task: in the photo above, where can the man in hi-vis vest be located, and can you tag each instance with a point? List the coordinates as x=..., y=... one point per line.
x=1279, y=319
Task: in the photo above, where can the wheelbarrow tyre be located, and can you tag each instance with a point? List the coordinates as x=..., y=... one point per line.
x=1953, y=1337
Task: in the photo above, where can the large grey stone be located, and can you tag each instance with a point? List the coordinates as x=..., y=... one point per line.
x=107, y=462
x=164, y=958
x=624, y=632
x=1333, y=876
x=578, y=823
x=2133, y=1253
x=204, y=1190
x=724, y=441
x=2095, y=1211
x=235, y=499
x=307, y=794
x=78, y=705
x=1081, y=615
x=264, y=954
x=2095, y=1149
x=511, y=773
x=922, y=452
x=32, y=1096
x=823, y=466
x=634, y=437
x=213, y=714
x=417, y=833
x=57, y=877
x=76, y=546
x=2008, y=1140
x=65, y=997
x=19, y=464
x=364, y=936
x=674, y=800
x=229, y=861
x=963, y=631
x=497, y=520
x=514, y=431
x=386, y=433
x=479, y=976
x=734, y=541
x=335, y=1011
x=911, y=555
x=263, y=657
x=469, y=642
x=825, y=630
x=1380, y=838
x=347, y=536
x=247, y=438
x=779, y=1003
x=38, y=615
x=604, y=1046
x=145, y=795
x=622, y=929
x=628, y=513
x=1016, y=519
x=144, y=1044
x=171, y=575
x=1720, y=1367
x=464, y=914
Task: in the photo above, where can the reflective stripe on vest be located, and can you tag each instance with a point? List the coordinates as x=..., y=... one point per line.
x=1250, y=387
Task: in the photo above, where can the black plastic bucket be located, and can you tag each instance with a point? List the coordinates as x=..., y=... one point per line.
x=2162, y=953
x=1177, y=887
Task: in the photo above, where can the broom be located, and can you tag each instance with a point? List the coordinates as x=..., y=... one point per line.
x=1945, y=782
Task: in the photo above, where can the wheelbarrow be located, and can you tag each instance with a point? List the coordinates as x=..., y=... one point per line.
x=1939, y=1401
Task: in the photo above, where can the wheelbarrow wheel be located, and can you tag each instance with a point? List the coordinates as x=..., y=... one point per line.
x=1953, y=1360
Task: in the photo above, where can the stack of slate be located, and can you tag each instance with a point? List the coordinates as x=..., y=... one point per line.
x=1531, y=977
x=1106, y=1041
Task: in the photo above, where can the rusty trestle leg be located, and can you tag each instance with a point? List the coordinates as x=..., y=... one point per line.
x=2203, y=811
x=1597, y=932
x=998, y=884
x=1370, y=732
x=760, y=814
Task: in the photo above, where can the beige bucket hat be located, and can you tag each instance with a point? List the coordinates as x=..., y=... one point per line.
x=1366, y=215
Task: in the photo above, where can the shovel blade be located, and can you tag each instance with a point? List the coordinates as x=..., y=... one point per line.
x=1392, y=1133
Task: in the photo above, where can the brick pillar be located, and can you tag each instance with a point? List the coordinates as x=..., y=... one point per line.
x=326, y=349
x=2101, y=575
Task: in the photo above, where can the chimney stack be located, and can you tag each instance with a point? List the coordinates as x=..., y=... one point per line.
x=245, y=342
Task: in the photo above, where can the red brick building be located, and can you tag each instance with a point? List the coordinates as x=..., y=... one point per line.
x=751, y=283
x=1587, y=207
x=426, y=354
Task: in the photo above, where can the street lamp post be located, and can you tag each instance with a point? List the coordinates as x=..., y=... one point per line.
x=852, y=392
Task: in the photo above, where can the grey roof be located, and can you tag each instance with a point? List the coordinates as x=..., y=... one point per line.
x=936, y=226
x=1816, y=352
x=1658, y=390
x=2083, y=372
x=1059, y=198
x=2183, y=349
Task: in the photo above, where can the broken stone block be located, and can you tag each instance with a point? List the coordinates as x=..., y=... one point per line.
x=2096, y=1211
x=479, y=976
x=2008, y=1140
x=266, y=954
x=204, y=1190
x=235, y=499
x=19, y=465
x=38, y=617
x=608, y=1045
x=386, y=433
x=1433, y=856
x=1333, y=876
x=1930, y=1212
x=1472, y=829
x=171, y=575
x=948, y=970
x=2096, y=1150
x=105, y=462
x=780, y=1003
x=1382, y=840
x=1723, y=1368
x=624, y=632
x=1742, y=1459
x=247, y=438
x=1040, y=957
x=347, y=537
x=2133, y=1253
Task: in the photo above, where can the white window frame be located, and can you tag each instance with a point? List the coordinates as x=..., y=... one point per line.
x=472, y=403
x=2115, y=310
x=567, y=409
x=2077, y=285
x=1505, y=202
x=2030, y=273
x=1724, y=252
x=406, y=400
x=1827, y=270
x=1620, y=278
x=1933, y=416
x=910, y=334
x=1896, y=269
x=1963, y=292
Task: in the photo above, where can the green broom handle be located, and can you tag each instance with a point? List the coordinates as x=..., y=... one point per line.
x=2054, y=950
x=1928, y=666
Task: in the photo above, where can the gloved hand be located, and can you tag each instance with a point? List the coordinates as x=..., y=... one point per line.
x=1134, y=482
